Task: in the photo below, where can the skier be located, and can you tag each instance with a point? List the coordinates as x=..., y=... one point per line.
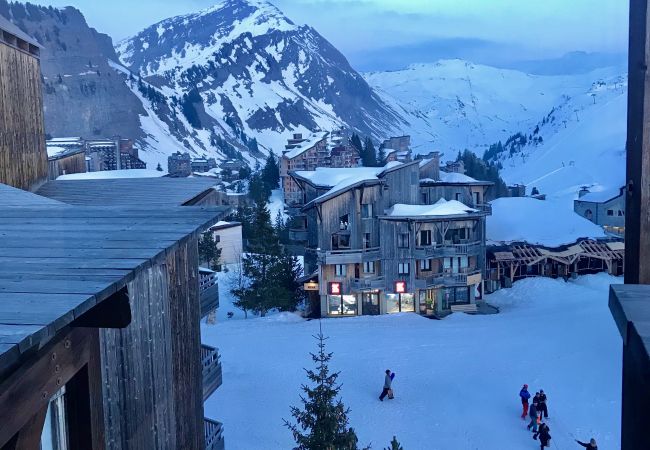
x=388, y=381
x=543, y=410
x=525, y=395
x=589, y=446
x=533, y=416
x=544, y=436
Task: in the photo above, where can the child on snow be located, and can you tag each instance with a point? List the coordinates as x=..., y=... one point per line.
x=388, y=381
x=524, y=395
x=543, y=410
x=591, y=445
x=544, y=436
x=533, y=416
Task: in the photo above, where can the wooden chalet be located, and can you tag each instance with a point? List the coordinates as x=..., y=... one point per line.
x=375, y=248
x=100, y=341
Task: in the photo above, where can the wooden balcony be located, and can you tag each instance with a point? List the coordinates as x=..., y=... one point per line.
x=447, y=250
x=213, y=434
x=484, y=208
x=209, y=291
x=446, y=279
x=211, y=364
x=368, y=283
x=349, y=256
x=298, y=234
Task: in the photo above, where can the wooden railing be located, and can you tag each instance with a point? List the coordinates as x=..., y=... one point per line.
x=440, y=250
x=213, y=434
x=368, y=283
x=212, y=374
x=451, y=279
x=298, y=234
x=208, y=292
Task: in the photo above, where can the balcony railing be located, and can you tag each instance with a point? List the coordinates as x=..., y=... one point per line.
x=368, y=283
x=348, y=256
x=212, y=375
x=208, y=291
x=449, y=279
x=297, y=234
x=483, y=207
x=442, y=250
x=213, y=434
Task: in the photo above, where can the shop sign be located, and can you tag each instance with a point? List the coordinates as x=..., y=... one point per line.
x=310, y=286
x=400, y=287
x=335, y=288
x=474, y=279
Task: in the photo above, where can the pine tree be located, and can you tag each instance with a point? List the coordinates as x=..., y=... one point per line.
x=271, y=172
x=208, y=250
x=355, y=140
x=369, y=156
x=394, y=445
x=322, y=421
x=381, y=155
x=159, y=168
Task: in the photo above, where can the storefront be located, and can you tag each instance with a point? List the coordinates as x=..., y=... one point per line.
x=342, y=305
x=370, y=303
x=400, y=303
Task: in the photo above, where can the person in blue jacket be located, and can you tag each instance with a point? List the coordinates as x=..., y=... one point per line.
x=388, y=381
x=524, y=395
x=533, y=417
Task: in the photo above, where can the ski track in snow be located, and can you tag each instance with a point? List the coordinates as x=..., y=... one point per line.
x=457, y=379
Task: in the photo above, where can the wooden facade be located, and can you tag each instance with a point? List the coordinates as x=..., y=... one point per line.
x=66, y=164
x=354, y=244
x=23, y=159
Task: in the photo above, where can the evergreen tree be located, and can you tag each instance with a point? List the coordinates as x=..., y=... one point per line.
x=369, y=156
x=208, y=251
x=381, y=155
x=322, y=421
x=281, y=228
x=258, y=190
x=394, y=445
x=355, y=140
x=271, y=172
x=159, y=168
x=476, y=168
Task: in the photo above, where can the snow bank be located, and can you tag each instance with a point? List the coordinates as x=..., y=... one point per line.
x=542, y=222
x=457, y=379
x=106, y=174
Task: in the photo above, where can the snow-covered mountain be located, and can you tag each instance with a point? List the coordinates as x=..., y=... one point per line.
x=557, y=132
x=243, y=69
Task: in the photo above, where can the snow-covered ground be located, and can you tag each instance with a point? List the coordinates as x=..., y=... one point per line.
x=457, y=379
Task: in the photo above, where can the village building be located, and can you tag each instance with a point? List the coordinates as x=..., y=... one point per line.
x=301, y=153
x=605, y=208
x=179, y=165
x=203, y=165
x=397, y=149
x=64, y=161
x=517, y=190
x=532, y=238
x=228, y=237
x=375, y=248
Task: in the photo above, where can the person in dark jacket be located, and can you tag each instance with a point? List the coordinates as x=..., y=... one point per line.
x=388, y=381
x=544, y=435
x=524, y=395
x=543, y=409
x=533, y=417
x=591, y=445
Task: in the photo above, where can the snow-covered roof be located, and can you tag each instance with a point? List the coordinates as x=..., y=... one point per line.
x=54, y=151
x=65, y=139
x=441, y=208
x=601, y=196
x=537, y=222
x=308, y=143
x=107, y=174
x=9, y=27
x=340, y=179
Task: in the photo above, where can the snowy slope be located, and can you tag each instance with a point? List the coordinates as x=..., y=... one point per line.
x=574, y=125
x=457, y=379
x=256, y=72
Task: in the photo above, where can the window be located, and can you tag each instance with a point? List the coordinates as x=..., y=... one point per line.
x=369, y=267
x=366, y=240
x=477, y=198
x=340, y=270
x=366, y=210
x=403, y=268
x=610, y=212
x=621, y=213
x=403, y=240
x=425, y=265
x=425, y=237
x=459, y=196
x=425, y=198
x=588, y=214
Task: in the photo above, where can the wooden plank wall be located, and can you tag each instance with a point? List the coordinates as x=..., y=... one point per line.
x=65, y=166
x=23, y=159
x=152, y=369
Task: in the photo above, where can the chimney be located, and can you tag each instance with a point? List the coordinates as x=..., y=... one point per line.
x=584, y=190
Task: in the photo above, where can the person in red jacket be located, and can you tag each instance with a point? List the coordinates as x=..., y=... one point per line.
x=524, y=395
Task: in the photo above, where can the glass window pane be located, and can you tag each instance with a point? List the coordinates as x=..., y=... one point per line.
x=349, y=304
x=392, y=303
x=334, y=304
x=408, y=303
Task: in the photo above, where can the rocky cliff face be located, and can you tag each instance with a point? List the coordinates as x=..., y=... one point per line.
x=83, y=96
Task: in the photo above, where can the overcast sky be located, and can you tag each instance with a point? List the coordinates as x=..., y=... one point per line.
x=413, y=30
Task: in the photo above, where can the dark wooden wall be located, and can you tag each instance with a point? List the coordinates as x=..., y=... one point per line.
x=23, y=160
x=70, y=164
x=152, y=369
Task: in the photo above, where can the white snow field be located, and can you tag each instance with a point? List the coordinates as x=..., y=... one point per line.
x=457, y=379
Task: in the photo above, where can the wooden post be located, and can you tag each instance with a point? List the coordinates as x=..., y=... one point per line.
x=637, y=216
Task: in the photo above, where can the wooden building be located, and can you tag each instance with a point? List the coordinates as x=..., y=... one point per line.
x=301, y=154
x=100, y=327
x=605, y=208
x=23, y=160
x=376, y=248
x=64, y=161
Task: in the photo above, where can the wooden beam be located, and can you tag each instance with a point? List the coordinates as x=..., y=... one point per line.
x=114, y=312
x=637, y=205
x=29, y=437
x=28, y=390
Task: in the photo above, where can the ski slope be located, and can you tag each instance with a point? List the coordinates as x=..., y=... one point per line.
x=457, y=379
